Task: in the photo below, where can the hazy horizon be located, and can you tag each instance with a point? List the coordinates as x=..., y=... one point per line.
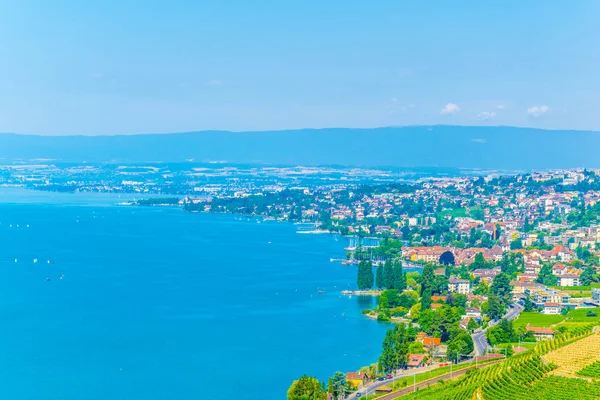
x=302, y=129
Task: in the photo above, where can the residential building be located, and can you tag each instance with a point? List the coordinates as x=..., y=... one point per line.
x=456, y=285
x=551, y=309
x=357, y=379
x=568, y=280
x=540, y=333
x=415, y=360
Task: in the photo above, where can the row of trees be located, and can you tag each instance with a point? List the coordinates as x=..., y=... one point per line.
x=389, y=275
x=396, y=348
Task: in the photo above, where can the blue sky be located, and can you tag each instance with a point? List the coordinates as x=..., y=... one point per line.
x=73, y=67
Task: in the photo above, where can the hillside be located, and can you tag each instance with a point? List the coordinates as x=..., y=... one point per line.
x=442, y=146
x=561, y=369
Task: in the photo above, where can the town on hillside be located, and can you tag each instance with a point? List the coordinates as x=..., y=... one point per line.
x=468, y=270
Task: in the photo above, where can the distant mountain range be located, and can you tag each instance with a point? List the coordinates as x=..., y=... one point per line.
x=506, y=148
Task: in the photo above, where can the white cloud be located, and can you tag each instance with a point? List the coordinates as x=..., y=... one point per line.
x=501, y=107
x=214, y=82
x=450, y=108
x=478, y=140
x=485, y=115
x=537, y=111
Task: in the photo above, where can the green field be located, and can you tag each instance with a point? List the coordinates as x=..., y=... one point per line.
x=459, y=212
x=573, y=319
x=456, y=213
x=536, y=319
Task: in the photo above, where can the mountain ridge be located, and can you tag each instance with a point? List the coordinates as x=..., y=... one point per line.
x=488, y=147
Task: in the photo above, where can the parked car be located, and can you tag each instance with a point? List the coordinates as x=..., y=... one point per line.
x=381, y=378
x=389, y=376
x=359, y=394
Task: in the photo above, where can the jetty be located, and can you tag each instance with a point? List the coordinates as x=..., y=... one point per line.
x=361, y=292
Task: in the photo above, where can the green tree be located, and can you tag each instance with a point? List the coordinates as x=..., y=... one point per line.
x=501, y=287
x=586, y=276
x=546, y=277
x=389, y=299
x=379, y=277
x=306, y=388
x=495, y=308
x=395, y=347
x=516, y=244
x=479, y=262
x=399, y=277
x=472, y=325
x=426, y=299
x=427, y=278
x=388, y=274
x=365, y=275
x=528, y=305
x=337, y=385
x=461, y=344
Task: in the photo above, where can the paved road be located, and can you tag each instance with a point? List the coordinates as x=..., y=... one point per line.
x=370, y=389
x=480, y=342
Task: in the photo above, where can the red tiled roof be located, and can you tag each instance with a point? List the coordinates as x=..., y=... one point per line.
x=415, y=359
x=355, y=375
x=535, y=329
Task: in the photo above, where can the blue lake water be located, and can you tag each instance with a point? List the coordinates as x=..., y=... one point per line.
x=156, y=303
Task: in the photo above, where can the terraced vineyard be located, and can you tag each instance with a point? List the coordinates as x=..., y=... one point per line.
x=573, y=357
x=530, y=376
x=516, y=382
x=560, y=388
x=592, y=370
x=520, y=370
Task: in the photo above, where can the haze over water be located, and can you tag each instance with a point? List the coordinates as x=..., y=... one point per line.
x=156, y=303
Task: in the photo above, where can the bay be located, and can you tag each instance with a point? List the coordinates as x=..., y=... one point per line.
x=156, y=303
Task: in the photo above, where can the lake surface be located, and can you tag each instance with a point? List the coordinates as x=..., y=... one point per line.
x=156, y=303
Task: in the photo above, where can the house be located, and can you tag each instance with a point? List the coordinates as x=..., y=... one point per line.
x=526, y=277
x=540, y=295
x=357, y=379
x=473, y=312
x=464, y=323
x=568, y=280
x=559, y=269
x=519, y=287
x=435, y=306
x=551, y=309
x=562, y=253
x=486, y=275
x=456, y=285
x=416, y=360
x=540, y=333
